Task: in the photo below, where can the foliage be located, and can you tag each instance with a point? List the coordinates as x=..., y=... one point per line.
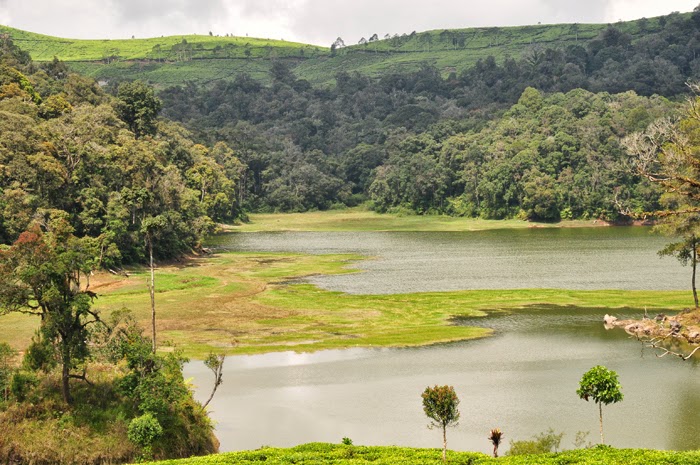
x=330, y=454
x=666, y=154
x=409, y=135
x=406, y=141
x=138, y=107
x=115, y=418
x=495, y=436
x=73, y=154
x=440, y=404
x=7, y=355
x=143, y=431
x=22, y=384
x=542, y=443
x=601, y=385
x=215, y=362
x=43, y=274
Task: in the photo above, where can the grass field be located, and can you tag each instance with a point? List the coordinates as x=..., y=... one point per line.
x=245, y=303
x=330, y=454
x=165, y=61
x=358, y=219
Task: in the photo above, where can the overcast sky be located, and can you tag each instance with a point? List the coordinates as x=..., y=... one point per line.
x=309, y=21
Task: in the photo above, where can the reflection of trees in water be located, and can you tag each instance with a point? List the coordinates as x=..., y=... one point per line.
x=684, y=430
x=574, y=322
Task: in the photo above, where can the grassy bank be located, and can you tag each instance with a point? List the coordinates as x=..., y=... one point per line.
x=245, y=303
x=357, y=219
x=340, y=455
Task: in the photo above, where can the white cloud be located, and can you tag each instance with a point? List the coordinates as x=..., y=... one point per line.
x=635, y=9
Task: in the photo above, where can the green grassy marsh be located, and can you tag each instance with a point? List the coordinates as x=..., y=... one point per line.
x=248, y=303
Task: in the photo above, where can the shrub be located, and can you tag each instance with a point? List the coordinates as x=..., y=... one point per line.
x=543, y=443
x=144, y=430
x=22, y=384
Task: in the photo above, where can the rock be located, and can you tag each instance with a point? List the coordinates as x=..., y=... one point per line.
x=609, y=321
x=660, y=317
x=675, y=327
x=632, y=329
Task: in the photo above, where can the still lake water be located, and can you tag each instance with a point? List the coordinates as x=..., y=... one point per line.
x=522, y=380
x=573, y=258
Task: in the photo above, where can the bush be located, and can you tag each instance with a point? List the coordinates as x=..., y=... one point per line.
x=22, y=384
x=144, y=430
x=6, y=369
x=543, y=443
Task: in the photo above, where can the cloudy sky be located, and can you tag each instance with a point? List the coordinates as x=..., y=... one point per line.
x=310, y=21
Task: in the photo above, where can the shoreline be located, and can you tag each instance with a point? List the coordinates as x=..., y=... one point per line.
x=359, y=219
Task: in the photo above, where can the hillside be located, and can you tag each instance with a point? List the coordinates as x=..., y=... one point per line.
x=201, y=59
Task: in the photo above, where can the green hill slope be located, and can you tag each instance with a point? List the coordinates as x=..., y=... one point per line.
x=172, y=60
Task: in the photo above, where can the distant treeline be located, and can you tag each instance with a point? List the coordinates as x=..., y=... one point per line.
x=536, y=137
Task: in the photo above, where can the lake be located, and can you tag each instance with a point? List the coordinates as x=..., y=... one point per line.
x=573, y=258
x=522, y=380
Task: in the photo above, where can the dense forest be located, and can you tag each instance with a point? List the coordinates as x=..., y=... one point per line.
x=544, y=127
x=106, y=163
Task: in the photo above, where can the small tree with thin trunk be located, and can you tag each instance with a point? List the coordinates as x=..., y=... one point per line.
x=216, y=364
x=440, y=405
x=601, y=385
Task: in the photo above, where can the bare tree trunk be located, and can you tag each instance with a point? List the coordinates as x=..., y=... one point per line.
x=152, y=288
x=65, y=378
x=444, y=444
x=695, y=263
x=600, y=410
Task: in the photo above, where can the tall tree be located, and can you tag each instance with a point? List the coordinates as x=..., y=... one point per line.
x=152, y=227
x=46, y=273
x=667, y=154
x=138, y=107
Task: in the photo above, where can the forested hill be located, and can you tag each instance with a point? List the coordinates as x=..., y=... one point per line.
x=208, y=58
x=536, y=136
x=491, y=141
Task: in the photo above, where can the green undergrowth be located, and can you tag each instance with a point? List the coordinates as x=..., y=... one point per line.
x=330, y=454
x=40, y=429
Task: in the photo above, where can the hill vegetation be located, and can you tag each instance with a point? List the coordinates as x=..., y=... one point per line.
x=203, y=59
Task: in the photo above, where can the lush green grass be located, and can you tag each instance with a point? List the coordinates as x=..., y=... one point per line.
x=162, y=61
x=243, y=303
x=44, y=48
x=330, y=454
x=357, y=219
